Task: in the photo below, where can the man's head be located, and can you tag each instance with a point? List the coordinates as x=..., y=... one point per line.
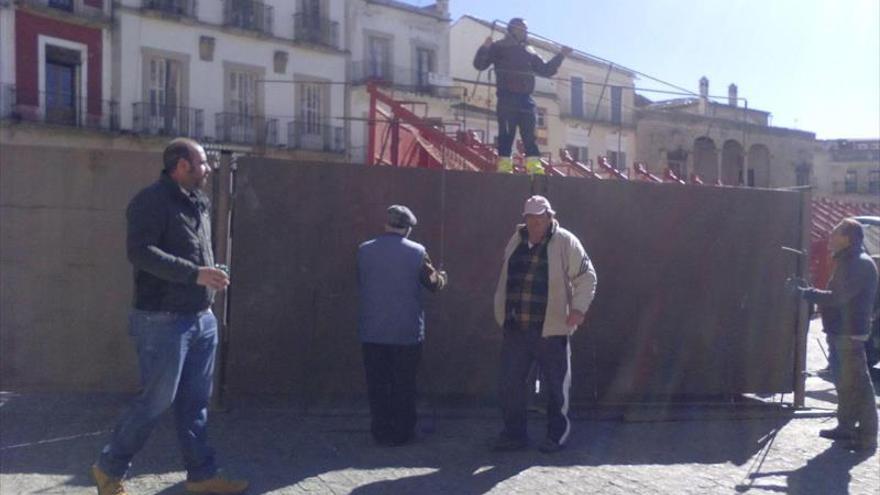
x=518, y=29
x=538, y=215
x=185, y=161
x=847, y=233
x=400, y=220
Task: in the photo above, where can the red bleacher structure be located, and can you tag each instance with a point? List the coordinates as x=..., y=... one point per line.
x=398, y=136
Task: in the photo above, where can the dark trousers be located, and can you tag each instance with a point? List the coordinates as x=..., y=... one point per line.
x=519, y=350
x=391, y=387
x=516, y=111
x=855, y=394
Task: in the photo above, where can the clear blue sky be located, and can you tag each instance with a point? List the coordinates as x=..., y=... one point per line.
x=813, y=64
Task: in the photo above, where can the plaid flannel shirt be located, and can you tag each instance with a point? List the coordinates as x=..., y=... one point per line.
x=527, y=284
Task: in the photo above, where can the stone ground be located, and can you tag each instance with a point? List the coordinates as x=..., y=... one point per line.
x=48, y=442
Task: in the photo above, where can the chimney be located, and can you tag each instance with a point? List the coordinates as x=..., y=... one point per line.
x=731, y=95
x=442, y=7
x=704, y=87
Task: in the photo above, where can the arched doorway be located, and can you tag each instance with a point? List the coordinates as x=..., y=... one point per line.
x=732, y=163
x=759, y=166
x=706, y=159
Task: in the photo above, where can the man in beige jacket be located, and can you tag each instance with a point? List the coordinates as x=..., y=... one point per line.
x=546, y=285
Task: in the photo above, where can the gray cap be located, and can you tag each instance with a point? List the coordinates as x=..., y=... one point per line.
x=401, y=217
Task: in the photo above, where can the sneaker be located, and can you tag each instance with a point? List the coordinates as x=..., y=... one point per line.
x=107, y=485
x=549, y=446
x=507, y=444
x=218, y=485
x=534, y=166
x=837, y=434
x=505, y=165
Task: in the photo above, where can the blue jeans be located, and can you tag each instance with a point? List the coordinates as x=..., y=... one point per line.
x=176, y=358
x=855, y=394
x=516, y=111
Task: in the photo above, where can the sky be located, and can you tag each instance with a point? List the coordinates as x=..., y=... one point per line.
x=813, y=64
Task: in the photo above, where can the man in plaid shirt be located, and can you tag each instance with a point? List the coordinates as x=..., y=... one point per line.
x=546, y=285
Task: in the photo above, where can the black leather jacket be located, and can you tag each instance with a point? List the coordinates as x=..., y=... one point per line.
x=516, y=65
x=169, y=238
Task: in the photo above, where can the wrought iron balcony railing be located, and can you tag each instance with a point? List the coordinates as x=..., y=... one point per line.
x=317, y=137
x=58, y=108
x=165, y=120
x=246, y=129
x=250, y=15
x=182, y=8
x=315, y=30
x=401, y=78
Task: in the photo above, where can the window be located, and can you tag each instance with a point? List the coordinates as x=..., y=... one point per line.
x=874, y=181
x=577, y=97
x=62, y=5
x=163, y=94
x=311, y=108
x=240, y=123
x=62, y=81
x=802, y=174
x=579, y=153
x=379, y=58
x=424, y=66
x=851, y=183
x=541, y=118
x=616, y=104
x=617, y=160
x=242, y=97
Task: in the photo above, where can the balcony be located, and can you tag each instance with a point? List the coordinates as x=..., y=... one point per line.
x=246, y=129
x=164, y=120
x=403, y=79
x=249, y=15
x=75, y=10
x=178, y=8
x=316, y=137
x=58, y=109
x=315, y=30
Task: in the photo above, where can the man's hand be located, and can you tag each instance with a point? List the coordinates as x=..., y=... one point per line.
x=575, y=318
x=212, y=278
x=488, y=42
x=566, y=51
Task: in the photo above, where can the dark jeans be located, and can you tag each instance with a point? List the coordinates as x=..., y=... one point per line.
x=176, y=358
x=519, y=350
x=855, y=394
x=391, y=386
x=515, y=110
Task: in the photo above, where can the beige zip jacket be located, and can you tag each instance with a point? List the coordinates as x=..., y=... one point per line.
x=571, y=281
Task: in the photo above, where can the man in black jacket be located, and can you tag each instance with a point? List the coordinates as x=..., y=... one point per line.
x=171, y=323
x=846, y=314
x=516, y=63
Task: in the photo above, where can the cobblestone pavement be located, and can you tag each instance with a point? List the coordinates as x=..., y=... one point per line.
x=48, y=442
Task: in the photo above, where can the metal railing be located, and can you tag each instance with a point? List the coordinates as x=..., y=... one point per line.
x=248, y=14
x=316, y=30
x=182, y=8
x=60, y=109
x=246, y=129
x=317, y=137
x=165, y=120
x=400, y=78
x=76, y=8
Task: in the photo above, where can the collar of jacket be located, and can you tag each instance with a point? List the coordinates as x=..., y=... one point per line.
x=174, y=190
x=848, y=252
x=524, y=231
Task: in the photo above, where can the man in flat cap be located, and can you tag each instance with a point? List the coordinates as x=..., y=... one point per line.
x=546, y=285
x=392, y=271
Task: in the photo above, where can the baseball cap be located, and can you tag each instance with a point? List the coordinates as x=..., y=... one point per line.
x=537, y=205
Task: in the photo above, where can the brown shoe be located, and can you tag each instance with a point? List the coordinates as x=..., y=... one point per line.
x=107, y=485
x=217, y=485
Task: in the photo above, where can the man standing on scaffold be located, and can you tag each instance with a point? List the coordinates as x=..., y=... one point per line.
x=516, y=63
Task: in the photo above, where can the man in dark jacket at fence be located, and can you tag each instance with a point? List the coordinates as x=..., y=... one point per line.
x=392, y=270
x=516, y=63
x=846, y=314
x=171, y=323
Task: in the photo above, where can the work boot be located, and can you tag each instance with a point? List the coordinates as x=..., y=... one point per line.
x=505, y=165
x=107, y=485
x=217, y=485
x=837, y=434
x=534, y=166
